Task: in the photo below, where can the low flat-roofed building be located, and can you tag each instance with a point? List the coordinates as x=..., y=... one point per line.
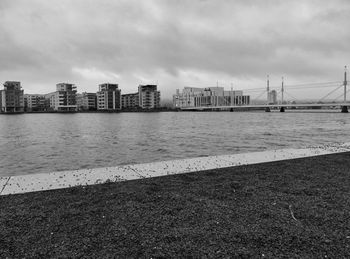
x=130, y=101
x=35, y=102
x=87, y=101
x=209, y=96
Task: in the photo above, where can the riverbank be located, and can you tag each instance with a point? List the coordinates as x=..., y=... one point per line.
x=160, y=109
x=292, y=208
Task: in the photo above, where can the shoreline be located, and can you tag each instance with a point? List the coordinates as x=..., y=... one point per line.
x=91, y=176
x=288, y=208
x=299, y=110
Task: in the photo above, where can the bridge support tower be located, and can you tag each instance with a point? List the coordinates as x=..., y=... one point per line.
x=282, y=92
x=345, y=108
x=267, y=109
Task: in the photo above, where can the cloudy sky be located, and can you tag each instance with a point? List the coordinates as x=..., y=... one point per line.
x=174, y=43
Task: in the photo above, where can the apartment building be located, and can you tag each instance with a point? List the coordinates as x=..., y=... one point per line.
x=210, y=96
x=109, y=97
x=87, y=101
x=64, y=99
x=130, y=101
x=35, y=102
x=149, y=97
x=12, y=97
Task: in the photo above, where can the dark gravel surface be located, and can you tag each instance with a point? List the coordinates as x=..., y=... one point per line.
x=295, y=209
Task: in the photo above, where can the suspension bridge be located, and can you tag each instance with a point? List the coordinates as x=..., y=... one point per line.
x=331, y=95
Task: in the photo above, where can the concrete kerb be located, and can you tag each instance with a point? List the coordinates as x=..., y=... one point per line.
x=66, y=179
x=3, y=183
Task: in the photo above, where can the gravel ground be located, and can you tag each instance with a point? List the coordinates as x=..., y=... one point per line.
x=295, y=208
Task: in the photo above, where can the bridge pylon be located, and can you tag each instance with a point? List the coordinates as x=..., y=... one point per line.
x=345, y=108
x=345, y=83
x=282, y=92
x=267, y=109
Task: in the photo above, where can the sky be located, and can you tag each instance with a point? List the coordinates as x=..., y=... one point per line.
x=172, y=43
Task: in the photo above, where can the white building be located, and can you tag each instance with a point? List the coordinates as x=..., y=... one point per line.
x=211, y=96
x=87, y=101
x=34, y=102
x=64, y=99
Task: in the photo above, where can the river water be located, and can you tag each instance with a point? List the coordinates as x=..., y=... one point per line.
x=42, y=143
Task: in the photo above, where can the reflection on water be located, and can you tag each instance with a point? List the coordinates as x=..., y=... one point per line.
x=36, y=143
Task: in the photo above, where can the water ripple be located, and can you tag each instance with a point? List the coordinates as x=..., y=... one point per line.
x=39, y=143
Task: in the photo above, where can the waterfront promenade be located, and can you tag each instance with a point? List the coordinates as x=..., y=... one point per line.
x=290, y=208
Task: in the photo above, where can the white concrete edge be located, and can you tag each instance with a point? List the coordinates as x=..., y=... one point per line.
x=82, y=177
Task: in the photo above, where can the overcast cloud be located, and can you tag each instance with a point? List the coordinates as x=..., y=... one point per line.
x=175, y=43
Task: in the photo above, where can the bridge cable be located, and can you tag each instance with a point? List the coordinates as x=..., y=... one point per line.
x=257, y=98
x=330, y=93
x=340, y=96
x=314, y=84
x=291, y=96
x=311, y=85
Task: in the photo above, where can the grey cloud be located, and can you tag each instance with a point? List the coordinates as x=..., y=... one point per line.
x=240, y=39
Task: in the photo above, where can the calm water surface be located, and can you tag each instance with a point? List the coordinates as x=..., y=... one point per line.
x=40, y=143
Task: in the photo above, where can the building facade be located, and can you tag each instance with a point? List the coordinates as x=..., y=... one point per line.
x=87, y=101
x=109, y=97
x=149, y=97
x=12, y=97
x=210, y=96
x=64, y=99
x=272, y=97
x=130, y=101
x=35, y=102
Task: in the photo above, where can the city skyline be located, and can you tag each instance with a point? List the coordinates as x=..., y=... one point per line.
x=172, y=44
x=67, y=99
